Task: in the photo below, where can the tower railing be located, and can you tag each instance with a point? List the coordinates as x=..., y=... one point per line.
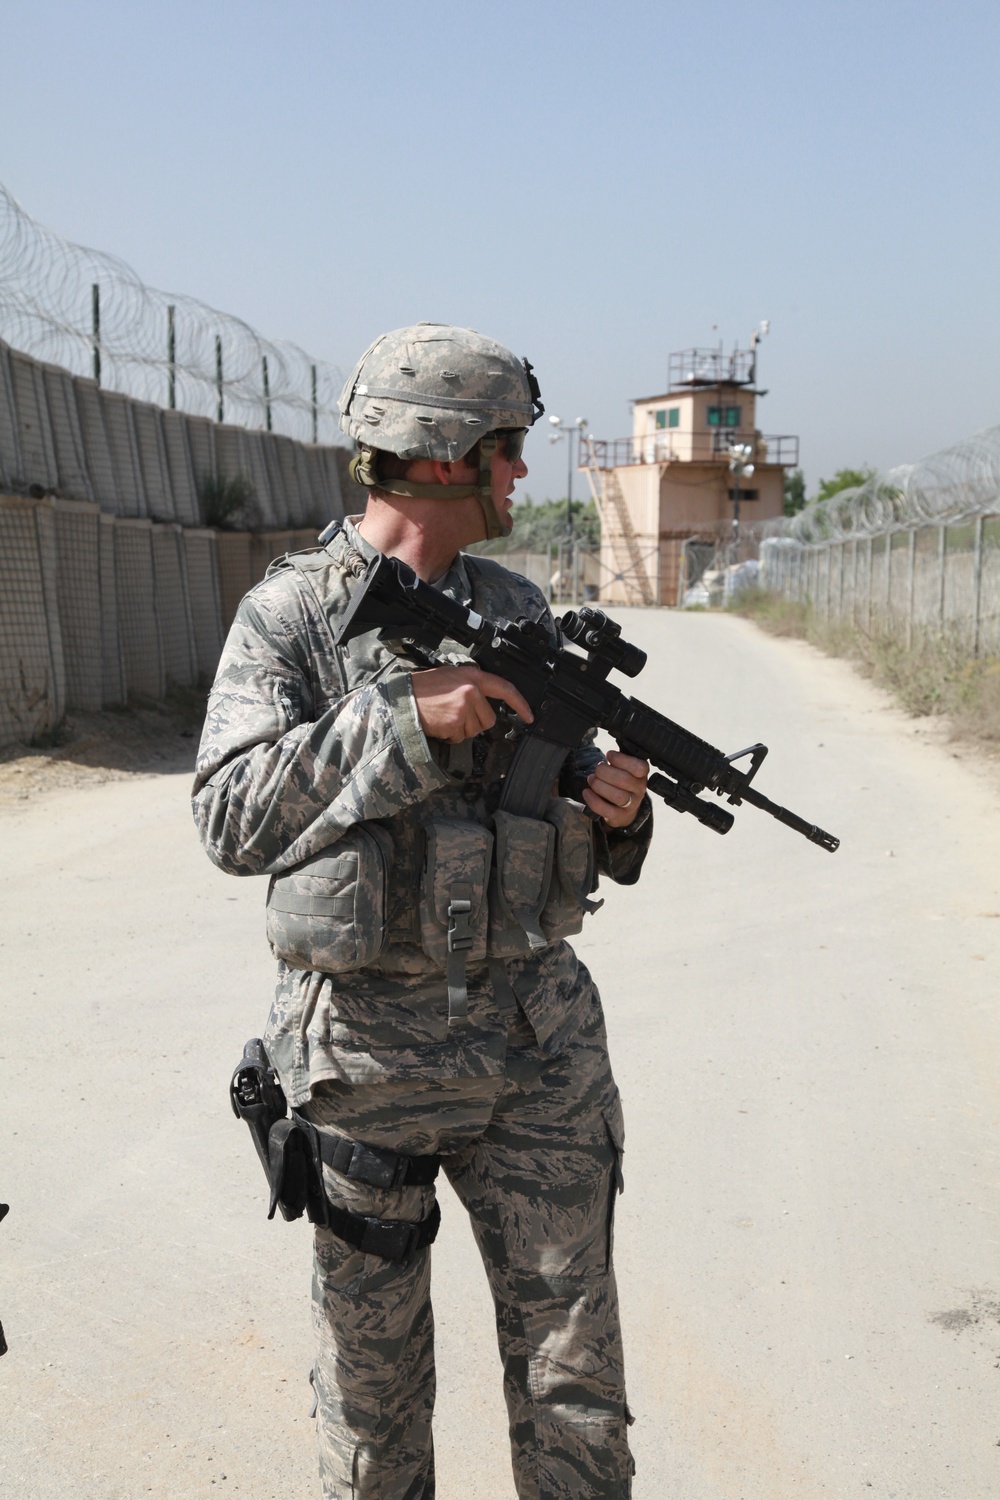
x=672, y=445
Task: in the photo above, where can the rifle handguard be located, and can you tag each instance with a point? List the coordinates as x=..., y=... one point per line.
x=569, y=695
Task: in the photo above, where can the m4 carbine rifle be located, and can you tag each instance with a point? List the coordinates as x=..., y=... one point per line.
x=569, y=696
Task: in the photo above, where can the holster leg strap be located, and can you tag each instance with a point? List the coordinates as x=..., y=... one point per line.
x=299, y=1151
x=392, y=1239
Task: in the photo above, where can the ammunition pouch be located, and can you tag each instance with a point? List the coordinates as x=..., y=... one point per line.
x=293, y=1152
x=328, y=913
x=574, y=870
x=545, y=872
x=501, y=895
x=521, y=879
x=485, y=896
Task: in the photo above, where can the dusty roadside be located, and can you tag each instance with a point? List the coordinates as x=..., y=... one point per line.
x=90, y=749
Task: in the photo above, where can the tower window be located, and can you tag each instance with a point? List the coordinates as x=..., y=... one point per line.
x=723, y=416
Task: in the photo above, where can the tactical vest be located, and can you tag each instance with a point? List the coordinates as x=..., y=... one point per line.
x=450, y=881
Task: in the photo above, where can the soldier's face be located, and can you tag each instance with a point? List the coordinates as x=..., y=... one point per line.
x=505, y=473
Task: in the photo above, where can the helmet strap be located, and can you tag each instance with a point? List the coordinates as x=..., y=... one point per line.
x=484, y=490
x=362, y=471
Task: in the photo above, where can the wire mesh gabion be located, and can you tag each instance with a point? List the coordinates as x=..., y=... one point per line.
x=153, y=345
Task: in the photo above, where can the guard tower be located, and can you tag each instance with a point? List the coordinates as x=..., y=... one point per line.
x=671, y=481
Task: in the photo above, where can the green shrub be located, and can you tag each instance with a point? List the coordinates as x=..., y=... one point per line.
x=227, y=504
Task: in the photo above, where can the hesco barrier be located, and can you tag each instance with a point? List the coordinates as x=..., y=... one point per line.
x=62, y=434
x=110, y=584
x=95, y=607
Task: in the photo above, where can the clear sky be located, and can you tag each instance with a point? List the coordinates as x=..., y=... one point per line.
x=592, y=184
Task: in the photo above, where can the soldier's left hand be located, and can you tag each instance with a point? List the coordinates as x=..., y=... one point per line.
x=616, y=787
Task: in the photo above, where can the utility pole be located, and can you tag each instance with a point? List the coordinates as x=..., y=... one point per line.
x=568, y=430
x=740, y=456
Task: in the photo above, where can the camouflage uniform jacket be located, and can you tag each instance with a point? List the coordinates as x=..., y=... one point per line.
x=304, y=741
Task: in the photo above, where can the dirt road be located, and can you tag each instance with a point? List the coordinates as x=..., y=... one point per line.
x=808, y=1050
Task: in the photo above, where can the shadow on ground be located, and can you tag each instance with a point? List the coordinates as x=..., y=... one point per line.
x=144, y=739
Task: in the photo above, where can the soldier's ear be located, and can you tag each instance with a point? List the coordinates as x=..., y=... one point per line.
x=450, y=471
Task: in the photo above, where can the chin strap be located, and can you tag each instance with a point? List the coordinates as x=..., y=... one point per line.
x=362, y=471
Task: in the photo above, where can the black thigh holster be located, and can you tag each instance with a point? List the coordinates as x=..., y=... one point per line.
x=293, y=1153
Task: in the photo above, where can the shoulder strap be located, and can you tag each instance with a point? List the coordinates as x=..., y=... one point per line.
x=305, y=574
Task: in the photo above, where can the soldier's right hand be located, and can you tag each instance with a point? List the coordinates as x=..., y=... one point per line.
x=453, y=702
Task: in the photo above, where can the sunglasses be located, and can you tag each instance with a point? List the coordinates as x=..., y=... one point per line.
x=510, y=442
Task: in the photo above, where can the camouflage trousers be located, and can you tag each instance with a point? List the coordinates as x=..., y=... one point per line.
x=535, y=1157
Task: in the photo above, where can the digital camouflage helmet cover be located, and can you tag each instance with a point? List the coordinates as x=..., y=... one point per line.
x=435, y=391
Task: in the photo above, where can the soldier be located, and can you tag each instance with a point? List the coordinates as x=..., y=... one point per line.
x=367, y=787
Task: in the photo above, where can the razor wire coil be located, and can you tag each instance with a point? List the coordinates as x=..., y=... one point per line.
x=155, y=346
x=953, y=485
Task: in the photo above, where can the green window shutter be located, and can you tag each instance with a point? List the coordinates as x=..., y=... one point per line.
x=724, y=416
x=674, y=417
x=661, y=419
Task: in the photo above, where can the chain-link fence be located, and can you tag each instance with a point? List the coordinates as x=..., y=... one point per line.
x=914, y=549
x=931, y=579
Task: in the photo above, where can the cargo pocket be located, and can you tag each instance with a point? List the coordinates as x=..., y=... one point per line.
x=525, y=849
x=615, y=1124
x=328, y=914
x=453, y=905
x=574, y=873
x=348, y=1432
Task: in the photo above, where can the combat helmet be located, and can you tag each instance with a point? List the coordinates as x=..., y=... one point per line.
x=434, y=391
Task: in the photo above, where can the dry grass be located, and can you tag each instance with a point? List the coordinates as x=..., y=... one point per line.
x=936, y=675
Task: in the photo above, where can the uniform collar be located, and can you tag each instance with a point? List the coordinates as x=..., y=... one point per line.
x=456, y=583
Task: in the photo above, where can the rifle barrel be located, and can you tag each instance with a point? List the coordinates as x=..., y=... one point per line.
x=811, y=831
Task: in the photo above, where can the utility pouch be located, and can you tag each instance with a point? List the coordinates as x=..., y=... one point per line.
x=453, y=908
x=327, y=915
x=525, y=849
x=574, y=874
x=258, y=1098
x=296, y=1181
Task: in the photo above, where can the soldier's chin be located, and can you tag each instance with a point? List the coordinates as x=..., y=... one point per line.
x=505, y=515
